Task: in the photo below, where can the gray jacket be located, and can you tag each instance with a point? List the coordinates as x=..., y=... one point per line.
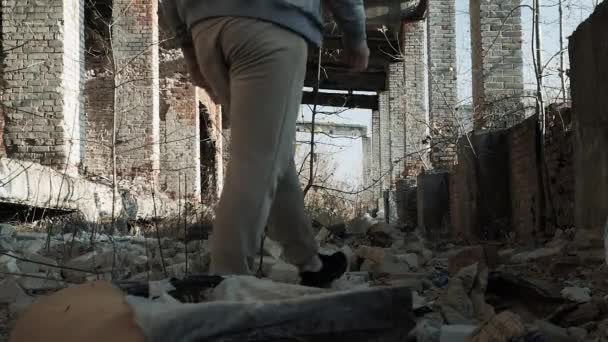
x=301, y=16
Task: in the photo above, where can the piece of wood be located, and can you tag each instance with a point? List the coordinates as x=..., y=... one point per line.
x=93, y=312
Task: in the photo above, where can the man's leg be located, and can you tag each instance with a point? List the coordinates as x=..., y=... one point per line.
x=266, y=67
x=290, y=226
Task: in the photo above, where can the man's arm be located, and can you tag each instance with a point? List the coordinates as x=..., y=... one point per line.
x=350, y=16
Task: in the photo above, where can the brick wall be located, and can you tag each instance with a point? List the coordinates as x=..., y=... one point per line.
x=496, y=48
x=135, y=42
x=441, y=27
x=179, y=128
x=43, y=79
x=589, y=84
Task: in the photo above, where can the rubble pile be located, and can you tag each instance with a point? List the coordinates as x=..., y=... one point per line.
x=475, y=293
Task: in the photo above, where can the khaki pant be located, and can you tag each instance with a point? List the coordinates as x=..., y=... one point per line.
x=257, y=70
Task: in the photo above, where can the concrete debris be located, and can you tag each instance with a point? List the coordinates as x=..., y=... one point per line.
x=456, y=333
x=427, y=330
x=577, y=294
x=272, y=248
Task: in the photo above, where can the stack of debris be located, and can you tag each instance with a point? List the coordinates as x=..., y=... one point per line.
x=476, y=293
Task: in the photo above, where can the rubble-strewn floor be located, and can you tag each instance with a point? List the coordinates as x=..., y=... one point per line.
x=486, y=292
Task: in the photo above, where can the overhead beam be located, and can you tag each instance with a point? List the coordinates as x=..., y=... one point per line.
x=342, y=79
x=333, y=129
x=341, y=100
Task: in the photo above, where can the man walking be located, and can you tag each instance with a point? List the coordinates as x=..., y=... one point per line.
x=250, y=55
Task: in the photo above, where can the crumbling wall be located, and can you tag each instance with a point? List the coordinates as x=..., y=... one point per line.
x=441, y=27
x=559, y=159
x=180, y=152
x=589, y=84
x=43, y=79
x=480, y=203
x=525, y=185
x=99, y=89
x=496, y=51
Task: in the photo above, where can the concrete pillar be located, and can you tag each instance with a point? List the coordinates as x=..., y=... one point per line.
x=416, y=99
x=496, y=49
x=366, y=147
x=43, y=81
x=135, y=43
x=180, y=149
x=441, y=28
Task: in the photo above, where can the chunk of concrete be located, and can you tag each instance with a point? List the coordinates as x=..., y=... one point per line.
x=283, y=272
x=456, y=333
x=10, y=290
x=360, y=225
x=577, y=294
x=252, y=289
x=7, y=230
x=31, y=246
x=538, y=254
x=272, y=248
x=9, y=264
x=384, y=261
x=322, y=235
x=37, y=264
x=39, y=282
x=90, y=262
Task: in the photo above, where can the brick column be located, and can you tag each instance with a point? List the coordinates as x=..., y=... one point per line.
x=376, y=154
x=397, y=103
x=43, y=80
x=180, y=154
x=441, y=28
x=496, y=45
x=415, y=90
x=366, y=148
x=135, y=52
x=385, y=140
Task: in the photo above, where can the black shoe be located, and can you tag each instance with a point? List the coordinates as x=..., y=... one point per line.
x=333, y=268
